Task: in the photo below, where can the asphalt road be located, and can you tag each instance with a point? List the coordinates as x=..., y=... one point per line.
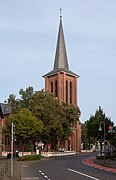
x=64, y=168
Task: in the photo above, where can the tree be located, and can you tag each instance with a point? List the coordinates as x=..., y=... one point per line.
x=26, y=96
x=14, y=103
x=57, y=117
x=84, y=137
x=113, y=141
x=27, y=127
x=72, y=114
x=23, y=101
x=93, y=125
x=47, y=108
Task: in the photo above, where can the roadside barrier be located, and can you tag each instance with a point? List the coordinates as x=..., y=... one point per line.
x=54, y=154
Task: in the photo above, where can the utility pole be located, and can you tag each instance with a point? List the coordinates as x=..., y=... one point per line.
x=100, y=129
x=12, y=133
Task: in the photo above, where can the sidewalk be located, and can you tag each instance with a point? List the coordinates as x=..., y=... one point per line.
x=108, y=165
x=5, y=171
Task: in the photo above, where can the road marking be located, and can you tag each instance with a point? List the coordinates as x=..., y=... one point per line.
x=24, y=166
x=44, y=175
x=83, y=174
x=29, y=178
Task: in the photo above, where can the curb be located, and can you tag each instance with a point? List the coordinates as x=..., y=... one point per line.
x=90, y=162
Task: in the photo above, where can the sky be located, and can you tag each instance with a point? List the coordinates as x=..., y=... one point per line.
x=28, y=36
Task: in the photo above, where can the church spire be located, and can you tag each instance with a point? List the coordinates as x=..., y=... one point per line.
x=61, y=61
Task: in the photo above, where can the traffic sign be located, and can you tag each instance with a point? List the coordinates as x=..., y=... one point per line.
x=40, y=144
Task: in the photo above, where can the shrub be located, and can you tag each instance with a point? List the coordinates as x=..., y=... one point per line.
x=113, y=156
x=29, y=158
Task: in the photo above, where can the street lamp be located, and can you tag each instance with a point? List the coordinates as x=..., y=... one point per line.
x=100, y=129
x=12, y=150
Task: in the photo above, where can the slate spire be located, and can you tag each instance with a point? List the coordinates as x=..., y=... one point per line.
x=61, y=61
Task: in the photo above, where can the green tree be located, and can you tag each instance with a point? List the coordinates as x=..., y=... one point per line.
x=113, y=141
x=45, y=107
x=14, y=103
x=93, y=125
x=72, y=114
x=27, y=127
x=23, y=101
x=57, y=117
x=84, y=137
x=26, y=95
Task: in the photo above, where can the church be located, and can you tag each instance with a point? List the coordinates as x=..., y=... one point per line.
x=63, y=83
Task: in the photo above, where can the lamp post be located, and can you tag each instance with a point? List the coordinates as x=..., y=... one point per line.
x=100, y=129
x=12, y=133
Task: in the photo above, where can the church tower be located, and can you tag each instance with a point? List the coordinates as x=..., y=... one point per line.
x=63, y=83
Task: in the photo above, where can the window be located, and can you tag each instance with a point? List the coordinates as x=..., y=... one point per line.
x=51, y=87
x=70, y=92
x=66, y=91
x=56, y=88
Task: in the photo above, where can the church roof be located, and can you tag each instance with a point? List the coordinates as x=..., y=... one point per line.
x=61, y=60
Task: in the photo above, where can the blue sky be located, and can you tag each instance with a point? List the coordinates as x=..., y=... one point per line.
x=28, y=35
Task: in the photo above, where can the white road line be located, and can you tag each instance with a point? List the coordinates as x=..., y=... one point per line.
x=30, y=178
x=24, y=166
x=46, y=177
x=83, y=174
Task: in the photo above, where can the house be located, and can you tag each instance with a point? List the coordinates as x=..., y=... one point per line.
x=5, y=111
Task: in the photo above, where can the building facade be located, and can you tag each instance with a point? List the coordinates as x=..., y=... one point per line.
x=63, y=83
x=5, y=111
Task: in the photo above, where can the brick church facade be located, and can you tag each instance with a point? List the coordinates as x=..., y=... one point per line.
x=63, y=83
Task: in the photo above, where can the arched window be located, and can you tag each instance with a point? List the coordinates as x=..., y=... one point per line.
x=70, y=92
x=51, y=87
x=56, y=88
x=66, y=91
